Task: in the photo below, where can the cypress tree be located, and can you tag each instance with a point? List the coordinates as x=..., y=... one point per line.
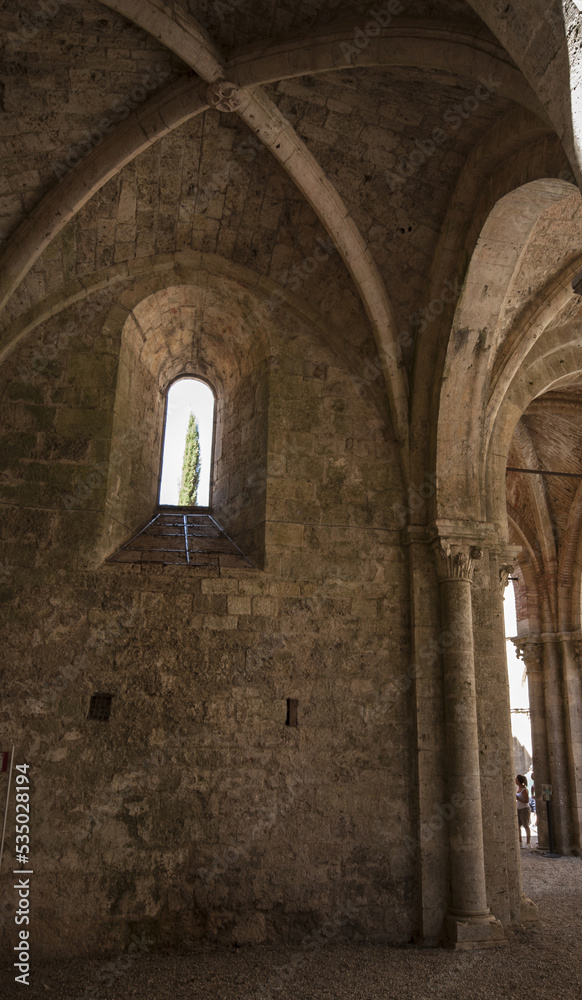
x=190, y=465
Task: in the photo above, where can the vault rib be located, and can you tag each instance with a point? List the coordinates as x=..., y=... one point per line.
x=174, y=105
x=408, y=43
x=536, y=489
x=183, y=35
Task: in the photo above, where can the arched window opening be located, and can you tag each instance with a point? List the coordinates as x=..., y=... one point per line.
x=187, y=449
x=150, y=423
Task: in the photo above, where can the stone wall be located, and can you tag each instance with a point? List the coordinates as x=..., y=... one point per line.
x=521, y=757
x=352, y=250
x=196, y=811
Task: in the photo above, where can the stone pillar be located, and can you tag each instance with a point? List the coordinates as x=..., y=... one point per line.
x=531, y=652
x=555, y=690
x=556, y=736
x=563, y=691
x=573, y=688
x=469, y=923
x=432, y=842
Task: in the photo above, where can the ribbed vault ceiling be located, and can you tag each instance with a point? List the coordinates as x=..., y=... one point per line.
x=344, y=159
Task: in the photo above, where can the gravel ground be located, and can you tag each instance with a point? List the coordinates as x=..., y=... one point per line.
x=542, y=963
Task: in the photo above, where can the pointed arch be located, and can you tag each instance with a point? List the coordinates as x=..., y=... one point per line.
x=484, y=318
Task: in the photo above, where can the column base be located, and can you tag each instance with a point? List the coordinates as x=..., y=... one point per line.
x=529, y=911
x=466, y=932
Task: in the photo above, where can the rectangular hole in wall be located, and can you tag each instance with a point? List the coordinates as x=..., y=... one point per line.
x=292, y=704
x=100, y=707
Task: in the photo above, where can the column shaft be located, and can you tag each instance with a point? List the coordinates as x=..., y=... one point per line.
x=573, y=705
x=469, y=896
x=531, y=654
x=555, y=727
x=469, y=924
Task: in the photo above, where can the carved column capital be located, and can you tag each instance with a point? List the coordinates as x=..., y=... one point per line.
x=530, y=651
x=223, y=95
x=505, y=571
x=456, y=558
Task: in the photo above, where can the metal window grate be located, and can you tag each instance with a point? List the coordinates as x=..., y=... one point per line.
x=100, y=707
x=177, y=537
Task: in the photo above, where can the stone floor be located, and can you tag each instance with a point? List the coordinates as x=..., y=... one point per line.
x=542, y=963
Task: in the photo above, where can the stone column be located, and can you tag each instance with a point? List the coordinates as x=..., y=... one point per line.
x=556, y=709
x=530, y=650
x=570, y=649
x=469, y=923
x=556, y=737
x=555, y=691
x=432, y=843
x=573, y=683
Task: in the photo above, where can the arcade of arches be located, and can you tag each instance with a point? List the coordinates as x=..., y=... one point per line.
x=361, y=225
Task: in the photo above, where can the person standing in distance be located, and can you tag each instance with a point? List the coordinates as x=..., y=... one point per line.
x=523, y=810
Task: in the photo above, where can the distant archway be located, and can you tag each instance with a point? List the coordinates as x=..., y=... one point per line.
x=505, y=305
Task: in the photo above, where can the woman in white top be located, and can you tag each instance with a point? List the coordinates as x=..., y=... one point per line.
x=523, y=810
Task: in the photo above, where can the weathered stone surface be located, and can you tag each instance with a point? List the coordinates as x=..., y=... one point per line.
x=358, y=226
